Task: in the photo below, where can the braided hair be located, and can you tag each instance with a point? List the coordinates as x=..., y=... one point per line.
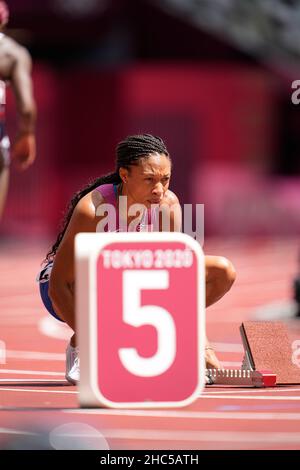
x=129, y=152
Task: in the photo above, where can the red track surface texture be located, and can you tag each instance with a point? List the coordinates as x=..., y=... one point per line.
x=35, y=398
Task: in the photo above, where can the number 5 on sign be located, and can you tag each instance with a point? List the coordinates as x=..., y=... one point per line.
x=140, y=305
x=136, y=315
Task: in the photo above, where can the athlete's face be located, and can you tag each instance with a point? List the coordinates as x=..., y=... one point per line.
x=147, y=182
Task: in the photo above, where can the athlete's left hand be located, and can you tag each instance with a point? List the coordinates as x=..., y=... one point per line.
x=211, y=360
x=24, y=150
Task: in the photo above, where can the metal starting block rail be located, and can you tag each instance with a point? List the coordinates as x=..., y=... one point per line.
x=240, y=377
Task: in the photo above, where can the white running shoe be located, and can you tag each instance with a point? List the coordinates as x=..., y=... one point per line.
x=72, y=365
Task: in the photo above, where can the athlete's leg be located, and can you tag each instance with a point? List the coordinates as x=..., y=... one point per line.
x=220, y=275
x=4, y=171
x=4, y=180
x=68, y=316
x=72, y=352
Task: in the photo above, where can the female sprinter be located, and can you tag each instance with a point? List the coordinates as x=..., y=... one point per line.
x=143, y=170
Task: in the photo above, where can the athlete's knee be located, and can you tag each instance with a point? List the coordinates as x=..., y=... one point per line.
x=225, y=271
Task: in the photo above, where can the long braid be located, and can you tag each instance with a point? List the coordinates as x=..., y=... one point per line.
x=109, y=178
x=129, y=152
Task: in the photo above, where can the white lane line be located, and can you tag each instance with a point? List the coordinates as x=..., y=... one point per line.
x=2, y=389
x=17, y=322
x=8, y=311
x=231, y=364
x=30, y=379
x=29, y=372
x=223, y=415
x=182, y=435
x=256, y=390
x=203, y=436
x=15, y=431
x=204, y=397
x=228, y=347
x=249, y=397
x=49, y=326
x=234, y=320
x=20, y=297
x=35, y=355
x=48, y=356
x=262, y=285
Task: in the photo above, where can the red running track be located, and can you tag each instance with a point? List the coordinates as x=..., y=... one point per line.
x=35, y=398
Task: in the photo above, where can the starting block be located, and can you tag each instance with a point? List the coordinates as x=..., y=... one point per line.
x=138, y=347
x=243, y=377
x=270, y=358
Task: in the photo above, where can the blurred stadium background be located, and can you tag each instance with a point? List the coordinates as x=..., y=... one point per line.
x=212, y=77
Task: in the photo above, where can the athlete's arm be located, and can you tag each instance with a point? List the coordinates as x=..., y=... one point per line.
x=23, y=90
x=61, y=285
x=24, y=148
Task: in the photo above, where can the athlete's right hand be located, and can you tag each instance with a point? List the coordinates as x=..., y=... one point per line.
x=4, y=13
x=24, y=150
